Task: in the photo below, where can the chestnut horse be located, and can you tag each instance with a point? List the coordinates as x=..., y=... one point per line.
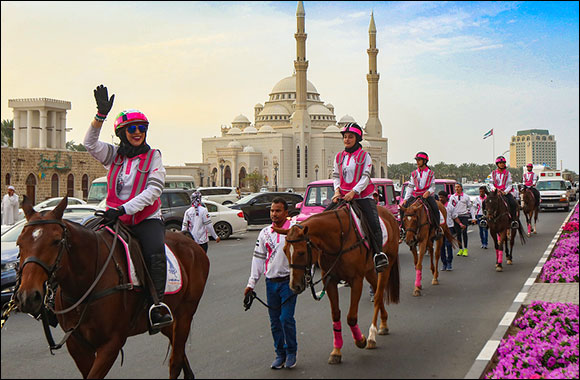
x=419, y=232
x=499, y=224
x=531, y=208
x=330, y=241
x=72, y=255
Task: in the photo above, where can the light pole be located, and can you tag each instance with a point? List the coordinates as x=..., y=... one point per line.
x=276, y=174
x=316, y=171
x=222, y=164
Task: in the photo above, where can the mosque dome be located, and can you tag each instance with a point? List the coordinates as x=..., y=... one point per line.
x=234, y=144
x=288, y=84
x=249, y=149
x=258, y=105
x=234, y=131
x=347, y=119
x=274, y=109
x=332, y=129
x=250, y=129
x=266, y=129
x=241, y=119
x=319, y=109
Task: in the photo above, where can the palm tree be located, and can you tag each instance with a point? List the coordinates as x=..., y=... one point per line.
x=7, y=132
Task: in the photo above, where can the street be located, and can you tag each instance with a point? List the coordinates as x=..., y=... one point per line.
x=437, y=335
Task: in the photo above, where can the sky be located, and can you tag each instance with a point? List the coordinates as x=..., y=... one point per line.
x=449, y=71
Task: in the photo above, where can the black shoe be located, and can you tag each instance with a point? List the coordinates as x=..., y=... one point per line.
x=381, y=262
x=159, y=320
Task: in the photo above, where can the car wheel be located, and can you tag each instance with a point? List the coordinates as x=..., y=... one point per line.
x=174, y=227
x=227, y=203
x=223, y=229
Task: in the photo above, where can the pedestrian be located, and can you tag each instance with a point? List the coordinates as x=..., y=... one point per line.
x=135, y=182
x=10, y=204
x=197, y=222
x=463, y=205
x=447, y=249
x=478, y=209
x=270, y=260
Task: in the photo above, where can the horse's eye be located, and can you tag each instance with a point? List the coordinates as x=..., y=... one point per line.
x=301, y=253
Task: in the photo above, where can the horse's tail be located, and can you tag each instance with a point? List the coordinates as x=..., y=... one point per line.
x=449, y=236
x=522, y=235
x=394, y=285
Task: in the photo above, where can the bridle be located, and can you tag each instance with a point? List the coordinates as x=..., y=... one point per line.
x=418, y=228
x=493, y=217
x=308, y=273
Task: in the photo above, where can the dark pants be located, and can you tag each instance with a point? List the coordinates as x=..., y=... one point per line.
x=369, y=210
x=536, y=194
x=151, y=235
x=447, y=249
x=282, y=322
x=204, y=246
x=483, y=232
x=462, y=232
x=432, y=206
x=512, y=204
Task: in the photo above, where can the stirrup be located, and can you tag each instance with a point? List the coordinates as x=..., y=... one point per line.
x=380, y=265
x=161, y=325
x=515, y=224
x=483, y=223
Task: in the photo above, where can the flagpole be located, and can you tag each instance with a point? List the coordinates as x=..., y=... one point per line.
x=493, y=143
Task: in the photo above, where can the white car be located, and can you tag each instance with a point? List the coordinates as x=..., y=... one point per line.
x=472, y=190
x=221, y=195
x=226, y=221
x=51, y=202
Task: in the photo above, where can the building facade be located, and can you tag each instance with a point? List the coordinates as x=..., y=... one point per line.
x=294, y=136
x=536, y=146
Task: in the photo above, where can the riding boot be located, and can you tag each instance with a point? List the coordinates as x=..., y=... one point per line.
x=158, y=272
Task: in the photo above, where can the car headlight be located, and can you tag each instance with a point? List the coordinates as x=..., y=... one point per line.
x=9, y=266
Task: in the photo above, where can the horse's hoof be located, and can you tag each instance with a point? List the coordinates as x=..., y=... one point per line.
x=535, y=232
x=509, y=262
x=529, y=235
x=371, y=344
x=498, y=268
x=435, y=282
x=361, y=343
x=416, y=293
x=335, y=359
x=383, y=331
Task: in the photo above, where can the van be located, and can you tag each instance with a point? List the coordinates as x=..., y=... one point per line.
x=318, y=196
x=98, y=189
x=553, y=193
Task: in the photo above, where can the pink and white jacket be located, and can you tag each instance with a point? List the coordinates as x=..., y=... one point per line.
x=477, y=208
x=352, y=171
x=530, y=179
x=501, y=180
x=420, y=182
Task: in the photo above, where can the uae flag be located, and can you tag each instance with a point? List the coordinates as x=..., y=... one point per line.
x=489, y=133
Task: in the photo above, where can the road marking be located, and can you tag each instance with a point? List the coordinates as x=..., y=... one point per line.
x=488, y=350
x=521, y=297
x=530, y=281
x=507, y=318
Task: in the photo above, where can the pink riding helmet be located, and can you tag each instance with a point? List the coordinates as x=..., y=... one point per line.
x=129, y=116
x=530, y=165
x=423, y=156
x=353, y=128
x=500, y=159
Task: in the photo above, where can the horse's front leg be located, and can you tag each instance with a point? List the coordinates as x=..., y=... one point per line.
x=435, y=266
x=106, y=356
x=419, y=269
x=332, y=292
x=82, y=354
x=499, y=251
x=352, y=317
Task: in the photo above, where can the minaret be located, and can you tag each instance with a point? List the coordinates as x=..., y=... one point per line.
x=301, y=118
x=373, y=127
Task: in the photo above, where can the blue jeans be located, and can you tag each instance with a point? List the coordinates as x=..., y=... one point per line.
x=483, y=232
x=447, y=250
x=282, y=322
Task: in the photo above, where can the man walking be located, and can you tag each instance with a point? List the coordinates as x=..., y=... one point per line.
x=10, y=203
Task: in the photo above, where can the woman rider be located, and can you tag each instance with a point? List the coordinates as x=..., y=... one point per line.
x=135, y=182
x=502, y=181
x=352, y=180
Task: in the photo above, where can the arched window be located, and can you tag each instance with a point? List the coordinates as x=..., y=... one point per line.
x=383, y=172
x=227, y=176
x=213, y=177
x=8, y=178
x=54, y=185
x=306, y=161
x=85, y=186
x=297, y=162
x=31, y=188
x=242, y=178
x=70, y=185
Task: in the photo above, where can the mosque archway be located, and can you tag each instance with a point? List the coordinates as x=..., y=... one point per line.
x=242, y=178
x=227, y=176
x=31, y=188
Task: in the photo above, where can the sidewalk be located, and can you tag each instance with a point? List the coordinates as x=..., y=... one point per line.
x=531, y=291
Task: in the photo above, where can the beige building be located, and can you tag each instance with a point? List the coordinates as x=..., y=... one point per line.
x=536, y=146
x=294, y=135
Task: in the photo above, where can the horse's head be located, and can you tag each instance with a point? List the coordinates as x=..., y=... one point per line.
x=411, y=222
x=40, y=249
x=493, y=204
x=296, y=250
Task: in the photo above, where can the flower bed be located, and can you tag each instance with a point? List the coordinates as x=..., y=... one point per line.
x=545, y=345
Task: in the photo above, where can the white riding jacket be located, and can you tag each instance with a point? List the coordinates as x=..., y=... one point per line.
x=462, y=204
x=198, y=225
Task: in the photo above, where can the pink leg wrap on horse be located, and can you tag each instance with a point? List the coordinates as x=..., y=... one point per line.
x=529, y=228
x=337, y=329
x=356, y=334
x=499, y=255
x=418, y=278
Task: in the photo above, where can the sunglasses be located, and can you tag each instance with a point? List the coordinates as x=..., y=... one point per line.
x=133, y=128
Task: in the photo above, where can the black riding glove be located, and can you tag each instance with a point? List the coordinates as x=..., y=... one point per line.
x=113, y=214
x=104, y=104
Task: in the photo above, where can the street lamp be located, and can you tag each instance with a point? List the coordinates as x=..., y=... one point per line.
x=276, y=174
x=222, y=164
x=316, y=171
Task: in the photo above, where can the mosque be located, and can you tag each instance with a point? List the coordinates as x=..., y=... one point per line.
x=294, y=136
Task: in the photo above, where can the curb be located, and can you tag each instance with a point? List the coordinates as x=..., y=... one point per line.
x=488, y=351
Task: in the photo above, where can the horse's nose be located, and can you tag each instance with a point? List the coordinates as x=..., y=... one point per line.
x=29, y=301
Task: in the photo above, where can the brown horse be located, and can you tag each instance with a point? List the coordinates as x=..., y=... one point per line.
x=531, y=208
x=329, y=240
x=53, y=249
x=499, y=224
x=419, y=232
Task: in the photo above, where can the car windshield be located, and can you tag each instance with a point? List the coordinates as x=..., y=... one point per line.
x=551, y=185
x=246, y=199
x=97, y=192
x=471, y=190
x=12, y=234
x=319, y=196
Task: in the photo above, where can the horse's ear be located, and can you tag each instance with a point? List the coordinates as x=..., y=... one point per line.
x=59, y=209
x=27, y=207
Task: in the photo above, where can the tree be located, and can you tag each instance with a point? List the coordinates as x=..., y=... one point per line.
x=70, y=145
x=254, y=181
x=7, y=132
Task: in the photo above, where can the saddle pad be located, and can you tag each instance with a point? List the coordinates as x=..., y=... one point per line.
x=173, y=280
x=359, y=228
x=441, y=218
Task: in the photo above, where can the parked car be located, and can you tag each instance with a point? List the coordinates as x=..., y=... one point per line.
x=10, y=258
x=319, y=195
x=174, y=204
x=51, y=202
x=221, y=195
x=256, y=207
x=226, y=221
x=472, y=190
x=553, y=193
